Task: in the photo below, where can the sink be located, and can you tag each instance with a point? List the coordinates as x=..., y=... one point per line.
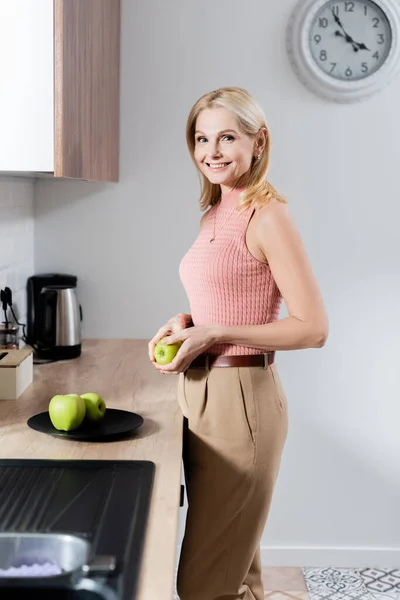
x=87, y=516
x=67, y=553
x=48, y=565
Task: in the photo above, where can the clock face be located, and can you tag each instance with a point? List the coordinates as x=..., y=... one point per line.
x=350, y=41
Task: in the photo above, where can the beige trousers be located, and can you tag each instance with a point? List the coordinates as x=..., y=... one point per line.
x=235, y=430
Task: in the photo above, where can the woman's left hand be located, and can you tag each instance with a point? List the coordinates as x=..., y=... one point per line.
x=195, y=341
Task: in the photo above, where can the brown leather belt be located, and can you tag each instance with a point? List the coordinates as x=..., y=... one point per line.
x=206, y=361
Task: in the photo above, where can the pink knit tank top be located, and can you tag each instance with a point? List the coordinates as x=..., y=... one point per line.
x=225, y=284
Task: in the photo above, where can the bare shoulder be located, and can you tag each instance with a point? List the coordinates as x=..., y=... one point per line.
x=273, y=212
x=274, y=222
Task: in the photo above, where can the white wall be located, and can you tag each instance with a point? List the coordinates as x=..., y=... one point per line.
x=16, y=240
x=338, y=493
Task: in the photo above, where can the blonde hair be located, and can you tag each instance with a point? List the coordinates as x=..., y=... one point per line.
x=251, y=119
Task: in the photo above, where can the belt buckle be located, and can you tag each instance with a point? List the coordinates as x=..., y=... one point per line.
x=266, y=364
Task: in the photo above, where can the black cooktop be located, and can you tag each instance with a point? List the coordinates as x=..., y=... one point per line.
x=105, y=502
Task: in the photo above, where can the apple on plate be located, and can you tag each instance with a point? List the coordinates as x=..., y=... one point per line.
x=67, y=411
x=165, y=353
x=95, y=406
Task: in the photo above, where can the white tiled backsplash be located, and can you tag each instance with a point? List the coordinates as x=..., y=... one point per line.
x=16, y=239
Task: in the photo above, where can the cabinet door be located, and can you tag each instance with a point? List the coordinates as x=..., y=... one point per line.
x=86, y=84
x=26, y=84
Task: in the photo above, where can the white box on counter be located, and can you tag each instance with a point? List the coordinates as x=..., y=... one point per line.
x=16, y=372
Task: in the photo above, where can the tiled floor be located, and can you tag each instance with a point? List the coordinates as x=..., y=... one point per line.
x=331, y=584
x=295, y=583
x=353, y=584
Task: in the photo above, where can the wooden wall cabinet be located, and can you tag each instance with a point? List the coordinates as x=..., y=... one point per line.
x=59, y=81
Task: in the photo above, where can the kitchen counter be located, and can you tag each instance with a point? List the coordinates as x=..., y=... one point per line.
x=120, y=371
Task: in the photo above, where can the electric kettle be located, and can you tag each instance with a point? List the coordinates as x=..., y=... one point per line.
x=62, y=316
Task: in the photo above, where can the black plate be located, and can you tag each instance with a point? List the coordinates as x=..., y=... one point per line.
x=115, y=424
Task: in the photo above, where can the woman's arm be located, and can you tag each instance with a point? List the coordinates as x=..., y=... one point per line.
x=286, y=334
x=307, y=324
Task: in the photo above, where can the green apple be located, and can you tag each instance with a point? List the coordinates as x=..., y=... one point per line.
x=95, y=406
x=67, y=411
x=165, y=353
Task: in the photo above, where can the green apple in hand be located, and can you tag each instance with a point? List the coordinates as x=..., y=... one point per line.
x=95, y=406
x=165, y=353
x=67, y=411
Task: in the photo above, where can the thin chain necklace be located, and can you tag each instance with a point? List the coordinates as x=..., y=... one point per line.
x=214, y=222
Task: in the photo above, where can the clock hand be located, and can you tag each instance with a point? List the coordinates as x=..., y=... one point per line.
x=348, y=39
x=338, y=22
x=362, y=46
x=356, y=45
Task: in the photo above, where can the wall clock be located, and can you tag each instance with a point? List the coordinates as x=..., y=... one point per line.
x=345, y=51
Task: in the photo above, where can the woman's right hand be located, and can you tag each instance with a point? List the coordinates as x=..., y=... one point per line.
x=173, y=325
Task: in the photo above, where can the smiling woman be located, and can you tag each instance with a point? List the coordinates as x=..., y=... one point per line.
x=247, y=257
x=226, y=140
x=222, y=156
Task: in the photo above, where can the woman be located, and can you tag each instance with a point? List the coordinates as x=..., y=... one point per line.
x=247, y=257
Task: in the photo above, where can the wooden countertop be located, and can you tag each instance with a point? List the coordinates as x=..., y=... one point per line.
x=120, y=371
